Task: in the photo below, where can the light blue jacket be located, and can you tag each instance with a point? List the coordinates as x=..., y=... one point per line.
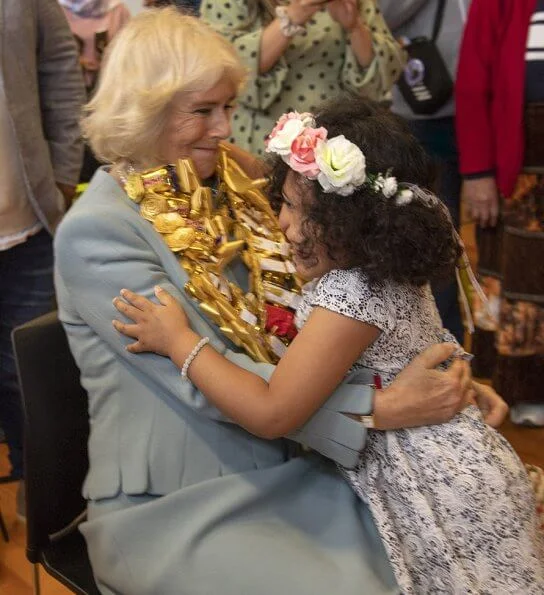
x=153, y=435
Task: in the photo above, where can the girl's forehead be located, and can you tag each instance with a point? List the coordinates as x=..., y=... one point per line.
x=297, y=188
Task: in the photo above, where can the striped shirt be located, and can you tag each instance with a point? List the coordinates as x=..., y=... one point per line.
x=534, y=56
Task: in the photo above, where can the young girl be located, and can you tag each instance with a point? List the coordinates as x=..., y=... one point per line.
x=452, y=502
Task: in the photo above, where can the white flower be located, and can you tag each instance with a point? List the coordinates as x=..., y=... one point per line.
x=379, y=182
x=342, y=165
x=281, y=140
x=404, y=197
x=390, y=186
x=307, y=119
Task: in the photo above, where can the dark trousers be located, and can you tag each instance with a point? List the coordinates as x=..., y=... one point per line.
x=438, y=138
x=26, y=282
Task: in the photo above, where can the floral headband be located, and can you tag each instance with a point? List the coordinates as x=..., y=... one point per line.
x=336, y=163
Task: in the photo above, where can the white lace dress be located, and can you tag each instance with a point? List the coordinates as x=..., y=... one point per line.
x=452, y=502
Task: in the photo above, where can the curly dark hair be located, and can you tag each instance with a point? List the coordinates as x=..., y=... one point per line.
x=414, y=243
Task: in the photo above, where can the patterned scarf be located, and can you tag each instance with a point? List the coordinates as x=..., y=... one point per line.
x=89, y=9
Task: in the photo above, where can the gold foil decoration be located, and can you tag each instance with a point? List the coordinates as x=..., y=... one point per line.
x=168, y=222
x=197, y=203
x=134, y=187
x=208, y=237
x=210, y=311
x=211, y=228
x=157, y=179
x=180, y=239
x=229, y=332
x=187, y=177
x=229, y=249
x=153, y=205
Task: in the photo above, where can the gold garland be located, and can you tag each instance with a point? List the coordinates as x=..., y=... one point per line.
x=207, y=235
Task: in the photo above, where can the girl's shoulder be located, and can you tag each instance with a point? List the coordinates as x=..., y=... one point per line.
x=352, y=283
x=348, y=292
x=384, y=303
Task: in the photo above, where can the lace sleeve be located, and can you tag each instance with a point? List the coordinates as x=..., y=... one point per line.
x=347, y=292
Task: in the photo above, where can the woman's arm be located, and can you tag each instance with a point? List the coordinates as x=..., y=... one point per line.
x=373, y=60
x=419, y=395
x=306, y=376
x=346, y=13
x=274, y=42
x=61, y=91
x=474, y=88
x=473, y=99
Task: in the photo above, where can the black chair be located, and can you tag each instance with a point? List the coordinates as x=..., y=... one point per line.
x=56, y=461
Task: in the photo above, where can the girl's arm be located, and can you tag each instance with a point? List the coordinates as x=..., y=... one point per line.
x=315, y=363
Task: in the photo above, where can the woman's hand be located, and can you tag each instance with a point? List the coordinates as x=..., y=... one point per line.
x=156, y=327
x=421, y=395
x=301, y=11
x=345, y=13
x=482, y=198
x=493, y=408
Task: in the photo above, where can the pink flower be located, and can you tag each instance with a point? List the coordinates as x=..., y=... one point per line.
x=305, y=118
x=302, y=157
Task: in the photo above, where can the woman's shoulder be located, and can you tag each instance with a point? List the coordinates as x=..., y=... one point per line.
x=98, y=209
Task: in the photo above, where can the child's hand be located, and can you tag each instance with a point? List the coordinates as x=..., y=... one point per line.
x=156, y=327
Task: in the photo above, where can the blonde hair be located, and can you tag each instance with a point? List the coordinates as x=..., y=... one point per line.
x=157, y=55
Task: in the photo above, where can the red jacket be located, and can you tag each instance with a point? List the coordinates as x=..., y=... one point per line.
x=490, y=89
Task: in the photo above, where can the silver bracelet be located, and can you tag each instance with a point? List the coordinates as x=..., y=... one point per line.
x=287, y=27
x=192, y=355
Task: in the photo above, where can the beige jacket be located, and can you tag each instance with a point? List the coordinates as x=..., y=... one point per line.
x=44, y=93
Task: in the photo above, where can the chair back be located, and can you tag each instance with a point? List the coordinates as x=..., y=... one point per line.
x=56, y=429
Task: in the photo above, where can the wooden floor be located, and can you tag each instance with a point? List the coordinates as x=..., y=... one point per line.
x=16, y=572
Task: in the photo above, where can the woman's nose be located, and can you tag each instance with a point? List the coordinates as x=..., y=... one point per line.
x=221, y=125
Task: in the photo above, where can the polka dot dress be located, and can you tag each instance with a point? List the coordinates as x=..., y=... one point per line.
x=316, y=66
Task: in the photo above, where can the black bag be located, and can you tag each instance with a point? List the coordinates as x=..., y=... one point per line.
x=426, y=84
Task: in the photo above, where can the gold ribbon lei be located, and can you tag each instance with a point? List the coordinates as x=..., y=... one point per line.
x=207, y=235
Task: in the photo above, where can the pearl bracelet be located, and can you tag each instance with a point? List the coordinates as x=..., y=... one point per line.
x=287, y=27
x=192, y=355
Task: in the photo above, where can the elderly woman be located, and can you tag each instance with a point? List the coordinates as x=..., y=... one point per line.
x=180, y=500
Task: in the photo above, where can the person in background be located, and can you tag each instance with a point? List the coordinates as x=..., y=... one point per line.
x=41, y=94
x=436, y=132
x=500, y=129
x=187, y=6
x=94, y=23
x=301, y=53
